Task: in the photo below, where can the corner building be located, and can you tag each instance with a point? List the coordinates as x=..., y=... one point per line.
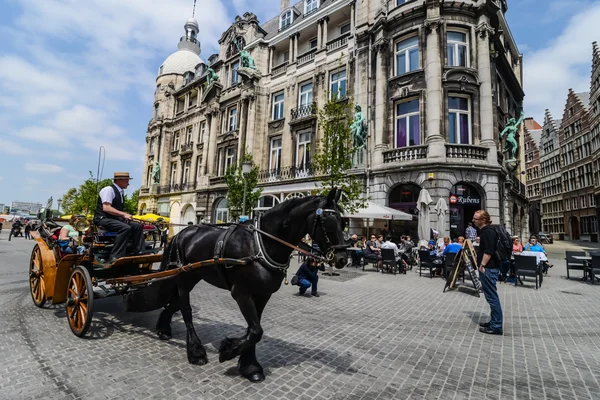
x=437, y=82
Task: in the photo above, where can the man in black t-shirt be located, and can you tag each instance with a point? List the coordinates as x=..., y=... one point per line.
x=488, y=271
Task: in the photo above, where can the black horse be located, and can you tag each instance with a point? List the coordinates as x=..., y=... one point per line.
x=253, y=284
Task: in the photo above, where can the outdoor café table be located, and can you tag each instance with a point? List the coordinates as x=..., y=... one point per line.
x=541, y=257
x=586, y=261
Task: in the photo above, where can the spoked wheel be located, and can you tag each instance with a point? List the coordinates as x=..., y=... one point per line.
x=80, y=301
x=36, y=278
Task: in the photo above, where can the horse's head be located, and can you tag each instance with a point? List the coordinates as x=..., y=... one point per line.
x=328, y=228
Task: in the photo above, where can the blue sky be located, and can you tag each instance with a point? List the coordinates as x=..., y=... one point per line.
x=75, y=75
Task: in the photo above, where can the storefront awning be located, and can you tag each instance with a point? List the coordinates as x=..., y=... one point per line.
x=377, y=211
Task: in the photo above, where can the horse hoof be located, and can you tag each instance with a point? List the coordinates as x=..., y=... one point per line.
x=198, y=360
x=226, y=351
x=256, y=377
x=164, y=335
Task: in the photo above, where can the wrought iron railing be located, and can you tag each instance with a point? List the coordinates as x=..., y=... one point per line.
x=338, y=43
x=144, y=190
x=405, y=154
x=217, y=180
x=307, y=110
x=466, y=151
x=280, y=69
x=188, y=39
x=286, y=173
x=307, y=57
x=314, y=10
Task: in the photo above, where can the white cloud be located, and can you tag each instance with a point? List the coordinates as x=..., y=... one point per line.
x=565, y=63
x=43, y=168
x=12, y=148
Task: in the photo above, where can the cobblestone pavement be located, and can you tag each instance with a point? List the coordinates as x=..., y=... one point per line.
x=369, y=336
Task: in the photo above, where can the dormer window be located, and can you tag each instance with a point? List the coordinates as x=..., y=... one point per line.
x=311, y=6
x=286, y=19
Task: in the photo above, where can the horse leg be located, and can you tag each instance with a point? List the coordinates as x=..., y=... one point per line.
x=232, y=347
x=196, y=353
x=248, y=366
x=163, y=325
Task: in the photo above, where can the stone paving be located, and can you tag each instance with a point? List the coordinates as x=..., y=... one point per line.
x=369, y=336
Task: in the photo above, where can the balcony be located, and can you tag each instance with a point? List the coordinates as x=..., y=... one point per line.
x=405, y=154
x=466, y=151
x=307, y=57
x=280, y=69
x=144, y=190
x=217, y=180
x=189, y=39
x=337, y=43
x=177, y=187
x=186, y=148
x=286, y=173
x=174, y=152
x=304, y=112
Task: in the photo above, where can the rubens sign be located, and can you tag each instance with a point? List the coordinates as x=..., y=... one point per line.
x=454, y=199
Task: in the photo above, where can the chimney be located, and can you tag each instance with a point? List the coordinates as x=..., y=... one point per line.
x=284, y=4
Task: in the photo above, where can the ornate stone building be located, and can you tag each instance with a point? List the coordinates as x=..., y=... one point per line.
x=437, y=82
x=551, y=179
x=595, y=129
x=533, y=173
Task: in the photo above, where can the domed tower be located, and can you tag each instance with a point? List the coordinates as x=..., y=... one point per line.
x=172, y=70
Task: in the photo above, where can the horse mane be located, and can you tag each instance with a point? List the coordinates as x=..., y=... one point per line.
x=286, y=207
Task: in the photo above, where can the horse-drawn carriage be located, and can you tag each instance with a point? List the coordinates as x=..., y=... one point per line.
x=263, y=247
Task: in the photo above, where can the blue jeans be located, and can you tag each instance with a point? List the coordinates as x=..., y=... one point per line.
x=305, y=284
x=488, y=281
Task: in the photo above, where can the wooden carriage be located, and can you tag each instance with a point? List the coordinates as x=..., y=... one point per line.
x=77, y=279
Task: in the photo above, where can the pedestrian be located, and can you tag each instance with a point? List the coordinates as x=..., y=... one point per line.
x=164, y=235
x=27, y=229
x=307, y=276
x=471, y=232
x=488, y=271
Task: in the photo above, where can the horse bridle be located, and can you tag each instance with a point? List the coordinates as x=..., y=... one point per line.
x=330, y=250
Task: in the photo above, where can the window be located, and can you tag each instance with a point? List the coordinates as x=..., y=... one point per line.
x=457, y=49
x=202, y=132
x=175, y=141
x=152, y=145
x=188, y=138
x=311, y=6
x=345, y=28
x=278, y=105
x=186, y=171
x=198, y=167
x=275, y=154
x=180, y=104
x=229, y=157
x=149, y=176
x=156, y=112
x=407, y=55
x=337, y=86
x=232, y=123
x=234, y=73
x=408, y=126
x=459, y=120
x=305, y=94
x=286, y=20
x=221, y=213
x=303, y=150
x=313, y=44
x=173, y=173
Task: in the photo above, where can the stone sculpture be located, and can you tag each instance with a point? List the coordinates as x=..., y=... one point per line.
x=156, y=173
x=212, y=76
x=510, y=131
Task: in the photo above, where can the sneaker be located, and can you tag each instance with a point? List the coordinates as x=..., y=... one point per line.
x=316, y=295
x=484, y=324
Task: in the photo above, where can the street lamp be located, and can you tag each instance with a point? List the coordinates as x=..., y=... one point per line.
x=246, y=168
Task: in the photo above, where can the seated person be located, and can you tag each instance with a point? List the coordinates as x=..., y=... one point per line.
x=517, y=246
x=69, y=238
x=461, y=240
x=388, y=244
x=354, y=253
x=307, y=276
x=110, y=216
x=533, y=245
x=372, y=250
x=453, y=247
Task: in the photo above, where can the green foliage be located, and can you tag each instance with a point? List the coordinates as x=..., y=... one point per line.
x=83, y=199
x=131, y=204
x=235, y=194
x=334, y=154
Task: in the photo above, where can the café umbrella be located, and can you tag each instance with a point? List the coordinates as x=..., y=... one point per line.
x=423, y=204
x=377, y=211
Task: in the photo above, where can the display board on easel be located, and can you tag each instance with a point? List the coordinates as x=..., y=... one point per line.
x=465, y=259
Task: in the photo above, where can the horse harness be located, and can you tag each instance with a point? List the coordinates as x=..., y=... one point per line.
x=262, y=256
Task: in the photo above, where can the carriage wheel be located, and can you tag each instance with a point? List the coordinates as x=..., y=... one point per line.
x=36, y=278
x=80, y=301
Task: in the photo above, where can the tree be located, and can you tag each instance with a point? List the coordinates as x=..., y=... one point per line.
x=235, y=194
x=131, y=204
x=83, y=200
x=334, y=154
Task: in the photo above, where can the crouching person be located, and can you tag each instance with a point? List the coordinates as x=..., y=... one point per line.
x=306, y=276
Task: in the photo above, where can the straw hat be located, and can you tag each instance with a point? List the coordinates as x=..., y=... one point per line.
x=121, y=175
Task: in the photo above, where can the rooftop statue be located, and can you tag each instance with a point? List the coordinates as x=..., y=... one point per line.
x=156, y=173
x=212, y=76
x=510, y=131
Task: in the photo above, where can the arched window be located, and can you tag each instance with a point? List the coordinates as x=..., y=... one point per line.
x=294, y=195
x=221, y=212
x=267, y=201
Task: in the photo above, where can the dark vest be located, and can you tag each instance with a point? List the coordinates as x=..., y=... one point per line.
x=116, y=203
